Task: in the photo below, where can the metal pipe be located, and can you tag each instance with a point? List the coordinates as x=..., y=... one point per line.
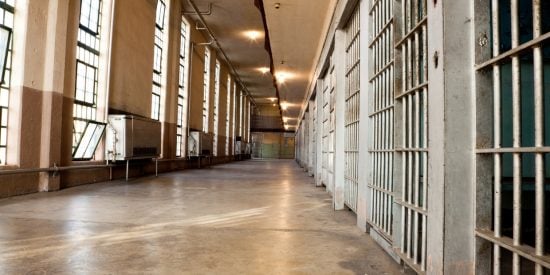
x=51, y=169
x=201, y=18
x=209, y=12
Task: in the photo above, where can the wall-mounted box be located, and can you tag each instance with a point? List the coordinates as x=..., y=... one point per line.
x=132, y=137
x=199, y=144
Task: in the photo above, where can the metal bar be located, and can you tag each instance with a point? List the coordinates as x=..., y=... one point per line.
x=516, y=117
x=514, y=51
x=410, y=206
x=412, y=90
x=539, y=138
x=497, y=193
x=127, y=168
x=407, y=36
x=535, y=150
x=524, y=251
x=381, y=32
x=381, y=71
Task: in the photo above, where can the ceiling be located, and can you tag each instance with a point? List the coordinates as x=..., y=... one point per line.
x=296, y=32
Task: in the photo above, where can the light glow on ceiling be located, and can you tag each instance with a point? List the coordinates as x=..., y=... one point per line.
x=284, y=105
x=253, y=35
x=282, y=77
x=263, y=70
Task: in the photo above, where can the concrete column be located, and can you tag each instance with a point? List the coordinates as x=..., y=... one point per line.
x=364, y=121
x=319, y=137
x=312, y=137
x=450, y=241
x=339, y=108
x=170, y=80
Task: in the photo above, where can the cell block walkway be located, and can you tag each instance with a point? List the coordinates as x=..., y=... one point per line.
x=254, y=217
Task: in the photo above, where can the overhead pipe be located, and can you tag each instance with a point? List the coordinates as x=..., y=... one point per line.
x=201, y=18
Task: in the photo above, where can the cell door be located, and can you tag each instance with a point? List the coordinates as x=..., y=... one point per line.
x=381, y=116
x=351, y=175
x=412, y=145
x=513, y=180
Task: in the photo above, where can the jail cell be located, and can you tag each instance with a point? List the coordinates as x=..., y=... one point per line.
x=381, y=115
x=329, y=125
x=411, y=140
x=352, y=111
x=513, y=175
x=305, y=141
x=312, y=136
x=326, y=131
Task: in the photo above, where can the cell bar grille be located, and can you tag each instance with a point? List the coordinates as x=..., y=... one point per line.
x=518, y=68
x=411, y=98
x=351, y=173
x=328, y=127
x=381, y=115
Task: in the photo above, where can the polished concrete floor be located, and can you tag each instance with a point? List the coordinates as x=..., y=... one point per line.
x=252, y=217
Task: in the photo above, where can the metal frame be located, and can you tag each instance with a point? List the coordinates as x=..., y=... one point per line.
x=87, y=61
x=5, y=86
x=510, y=87
x=233, y=118
x=411, y=140
x=206, y=91
x=227, y=116
x=351, y=173
x=160, y=24
x=216, y=107
x=381, y=115
x=312, y=135
x=183, y=89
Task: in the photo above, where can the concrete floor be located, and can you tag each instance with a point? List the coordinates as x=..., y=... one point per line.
x=253, y=217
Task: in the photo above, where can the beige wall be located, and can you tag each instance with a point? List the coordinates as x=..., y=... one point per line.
x=41, y=100
x=132, y=56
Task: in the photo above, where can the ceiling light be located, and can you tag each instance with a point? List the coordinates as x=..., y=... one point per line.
x=285, y=120
x=277, y=5
x=284, y=105
x=272, y=99
x=253, y=35
x=282, y=77
x=263, y=70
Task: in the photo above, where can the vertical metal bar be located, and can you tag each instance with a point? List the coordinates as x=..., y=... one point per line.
x=497, y=193
x=539, y=138
x=127, y=168
x=403, y=169
x=516, y=111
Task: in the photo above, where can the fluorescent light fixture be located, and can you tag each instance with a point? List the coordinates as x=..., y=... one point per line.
x=284, y=105
x=282, y=76
x=263, y=70
x=253, y=35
